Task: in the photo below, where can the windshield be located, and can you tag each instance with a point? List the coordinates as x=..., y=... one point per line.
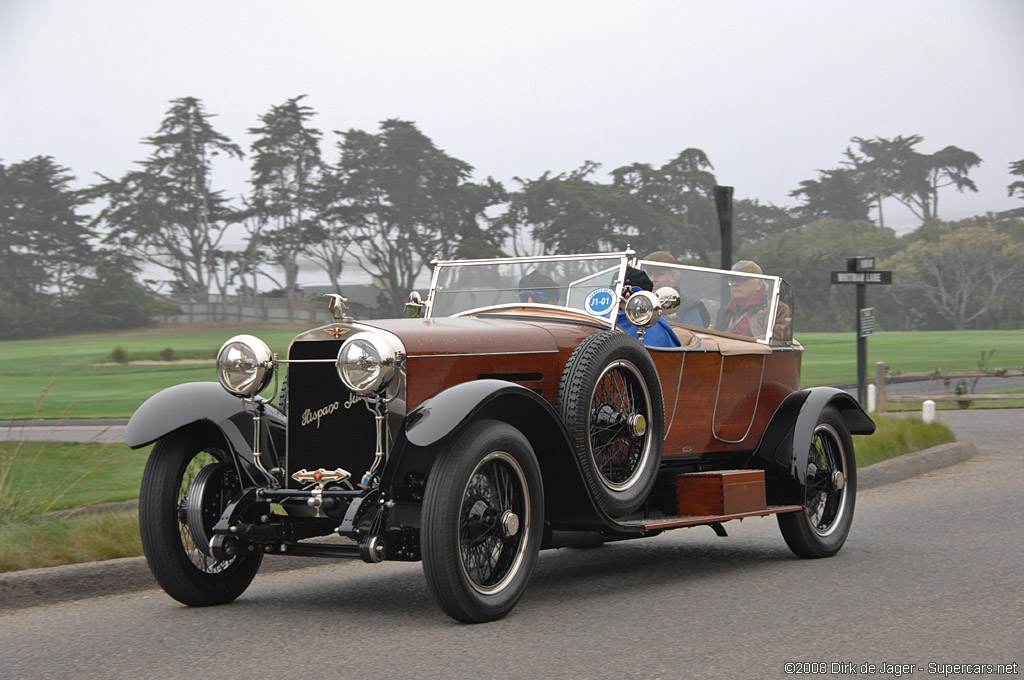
x=746, y=305
x=589, y=283
x=753, y=306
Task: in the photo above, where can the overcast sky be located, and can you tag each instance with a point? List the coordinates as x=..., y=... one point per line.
x=771, y=90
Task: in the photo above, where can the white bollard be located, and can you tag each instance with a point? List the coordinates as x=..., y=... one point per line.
x=928, y=411
x=871, y=398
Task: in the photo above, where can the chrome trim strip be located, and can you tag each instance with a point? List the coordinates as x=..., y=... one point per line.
x=773, y=310
x=306, y=361
x=537, y=258
x=481, y=354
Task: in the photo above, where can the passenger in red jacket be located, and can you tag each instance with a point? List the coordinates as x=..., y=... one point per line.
x=747, y=311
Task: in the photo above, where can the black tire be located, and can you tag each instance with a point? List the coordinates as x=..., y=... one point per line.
x=184, y=569
x=483, y=516
x=822, y=527
x=610, y=401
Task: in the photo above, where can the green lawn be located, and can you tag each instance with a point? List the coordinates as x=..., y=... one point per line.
x=895, y=436
x=831, y=358
x=41, y=477
x=62, y=376
x=59, y=378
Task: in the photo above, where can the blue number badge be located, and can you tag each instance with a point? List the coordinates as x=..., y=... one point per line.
x=600, y=302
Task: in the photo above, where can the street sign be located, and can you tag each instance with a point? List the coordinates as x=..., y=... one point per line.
x=867, y=322
x=883, y=277
x=860, y=263
x=860, y=271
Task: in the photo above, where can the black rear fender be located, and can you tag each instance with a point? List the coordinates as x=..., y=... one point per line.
x=442, y=417
x=785, y=446
x=206, y=404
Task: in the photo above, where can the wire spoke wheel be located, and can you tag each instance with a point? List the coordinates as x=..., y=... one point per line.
x=830, y=490
x=206, y=488
x=483, y=515
x=620, y=410
x=493, y=508
x=186, y=485
x=824, y=497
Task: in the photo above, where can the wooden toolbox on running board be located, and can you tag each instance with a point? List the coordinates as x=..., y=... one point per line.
x=723, y=492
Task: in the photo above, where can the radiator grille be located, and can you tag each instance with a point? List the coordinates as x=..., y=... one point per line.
x=328, y=426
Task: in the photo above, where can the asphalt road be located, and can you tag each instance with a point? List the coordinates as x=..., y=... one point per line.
x=931, y=574
x=101, y=431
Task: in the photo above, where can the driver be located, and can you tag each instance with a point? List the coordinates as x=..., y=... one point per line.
x=539, y=288
x=658, y=335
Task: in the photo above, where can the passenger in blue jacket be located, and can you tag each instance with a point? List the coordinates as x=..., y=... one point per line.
x=658, y=335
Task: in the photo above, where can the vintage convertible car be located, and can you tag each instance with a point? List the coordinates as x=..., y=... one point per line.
x=512, y=414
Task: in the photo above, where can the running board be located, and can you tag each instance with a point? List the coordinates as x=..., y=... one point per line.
x=714, y=497
x=696, y=520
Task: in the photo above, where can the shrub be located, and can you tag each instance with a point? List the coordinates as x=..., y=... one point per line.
x=120, y=355
x=167, y=354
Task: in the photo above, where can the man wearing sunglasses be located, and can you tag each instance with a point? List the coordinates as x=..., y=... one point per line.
x=747, y=311
x=538, y=288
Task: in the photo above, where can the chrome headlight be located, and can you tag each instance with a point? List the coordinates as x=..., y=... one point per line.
x=245, y=365
x=643, y=309
x=366, y=363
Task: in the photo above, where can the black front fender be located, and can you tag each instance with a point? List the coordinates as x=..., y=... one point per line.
x=786, y=443
x=567, y=500
x=203, y=402
x=444, y=413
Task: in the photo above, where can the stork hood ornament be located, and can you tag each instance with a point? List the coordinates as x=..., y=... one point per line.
x=336, y=303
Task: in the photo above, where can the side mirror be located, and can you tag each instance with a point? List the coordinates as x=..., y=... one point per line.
x=670, y=300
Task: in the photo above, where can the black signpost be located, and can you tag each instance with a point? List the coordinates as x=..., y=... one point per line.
x=723, y=203
x=861, y=271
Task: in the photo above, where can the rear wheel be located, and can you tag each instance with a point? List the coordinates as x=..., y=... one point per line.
x=483, y=514
x=185, y=487
x=830, y=492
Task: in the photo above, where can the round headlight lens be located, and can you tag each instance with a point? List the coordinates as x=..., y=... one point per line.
x=643, y=309
x=245, y=365
x=365, y=363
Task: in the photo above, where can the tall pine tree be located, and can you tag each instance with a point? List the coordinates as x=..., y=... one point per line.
x=167, y=212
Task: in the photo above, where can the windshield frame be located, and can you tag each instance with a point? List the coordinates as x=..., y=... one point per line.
x=626, y=258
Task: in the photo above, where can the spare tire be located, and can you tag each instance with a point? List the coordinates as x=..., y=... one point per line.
x=610, y=401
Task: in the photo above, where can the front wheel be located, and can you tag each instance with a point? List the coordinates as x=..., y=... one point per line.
x=483, y=514
x=190, y=466
x=830, y=491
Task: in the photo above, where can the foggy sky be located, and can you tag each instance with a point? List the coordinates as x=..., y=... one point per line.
x=772, y=91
